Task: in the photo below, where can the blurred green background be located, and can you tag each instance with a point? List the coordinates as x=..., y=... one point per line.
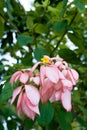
x=53, y=28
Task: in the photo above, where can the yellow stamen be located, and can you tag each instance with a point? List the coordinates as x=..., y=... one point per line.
x=45, y=60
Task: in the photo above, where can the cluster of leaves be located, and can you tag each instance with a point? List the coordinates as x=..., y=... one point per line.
x=44, y=31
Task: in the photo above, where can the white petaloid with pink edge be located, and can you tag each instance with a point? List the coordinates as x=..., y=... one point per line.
x=53, y=81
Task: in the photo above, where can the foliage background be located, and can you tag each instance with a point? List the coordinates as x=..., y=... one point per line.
x=44, y=30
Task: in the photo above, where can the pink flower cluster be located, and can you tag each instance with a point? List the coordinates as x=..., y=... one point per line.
x=53, y=81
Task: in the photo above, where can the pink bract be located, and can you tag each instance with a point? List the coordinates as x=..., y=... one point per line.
x=52, y=81
x=46, y=90
x=66, y=100
x=28, y=101
x=32, y=94
x=22, y=76
x=15, y=93
x=15, y=77
x=25, y=109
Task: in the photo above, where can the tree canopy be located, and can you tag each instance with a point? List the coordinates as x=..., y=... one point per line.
x=52, y=28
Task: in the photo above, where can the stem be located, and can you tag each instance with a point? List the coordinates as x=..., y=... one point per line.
x=12, y=24
x=21, y=127
x=43, y=128
x=65, y=31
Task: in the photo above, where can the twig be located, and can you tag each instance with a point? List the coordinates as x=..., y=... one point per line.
x=65, y=31
x=12, y=24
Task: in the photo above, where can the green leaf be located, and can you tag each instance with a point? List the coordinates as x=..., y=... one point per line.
x=1, y=26
x=52, y=125
x=11, y=124
x=41, y=28
x=29, y=22
x=24, y=39
x=76, y=40
x=9, y=9
x=65, y=3
x=46, y=114
x=68, y=55
x=28, y=124
x=39, y=53
x=76, y=96
x=27, y=59
x=79, y=4
x=1, y=126
x=64, y=119
x=60, y=26
x=6, y=92
x=15, y=84
x=9, y=6
x=84, y=110
x=1, y=4
x=45, y=3
x=82, y=121
x=7, y=111
x=53, y=10
x=84, y=1
x=17, y=8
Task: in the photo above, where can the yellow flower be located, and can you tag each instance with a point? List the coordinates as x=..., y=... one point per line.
x=45, y=60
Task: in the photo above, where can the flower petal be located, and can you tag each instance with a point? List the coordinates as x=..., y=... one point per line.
x=67, y=84
x=58, y=63
x=26, y=110
x=15, y=77
x=64, y=72
x=66, y=100
x=47, y=95
x=56, y=96
x=52, y=73
x=70, y=77
x=75, y=74
x=31, y=107
x=18, y=110
x=61, y=76
x=47, y=85
x=58, y=86
x=52, y=98
x=19, y=100
x=35, y=66
x=36, y=80
x=42, y=74
x=32, y=94
x=24, y=77
x=15, y=93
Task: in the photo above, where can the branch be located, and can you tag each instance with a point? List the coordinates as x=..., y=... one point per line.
x=65, y=31
x=12, y=24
